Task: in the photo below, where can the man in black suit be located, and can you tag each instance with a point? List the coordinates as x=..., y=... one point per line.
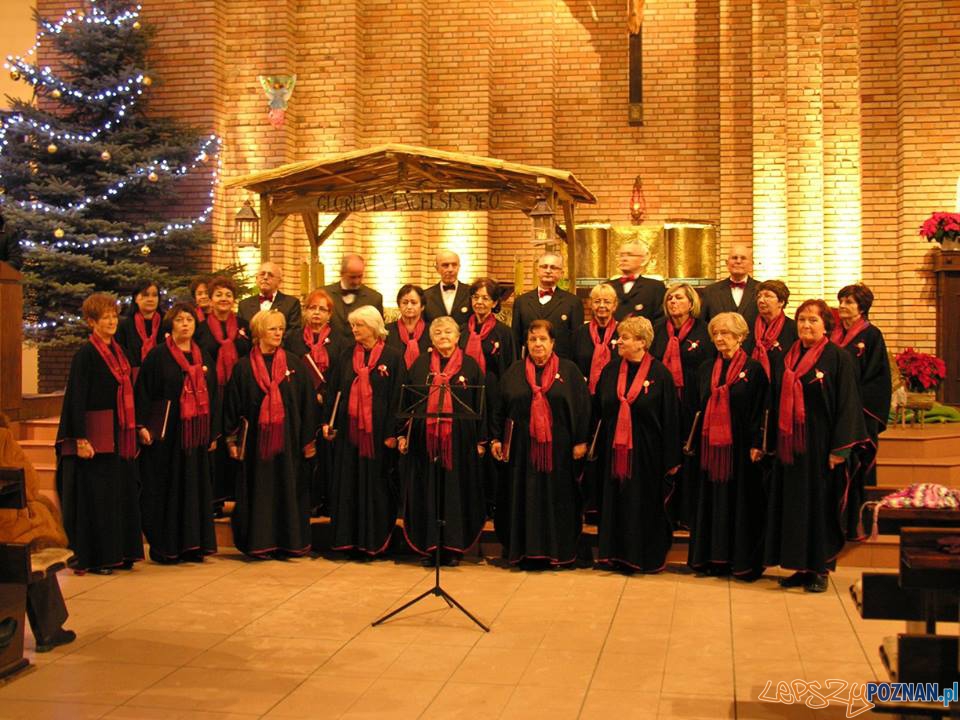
x=269, y=277
x=737, y=293
x=548, y=302
x=350, y=293
x=636, y=295
x=449, y=296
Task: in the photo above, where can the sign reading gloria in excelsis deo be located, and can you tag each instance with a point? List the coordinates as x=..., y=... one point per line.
x=474, y=200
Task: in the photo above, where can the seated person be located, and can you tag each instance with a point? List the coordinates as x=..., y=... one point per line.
x=39, y=526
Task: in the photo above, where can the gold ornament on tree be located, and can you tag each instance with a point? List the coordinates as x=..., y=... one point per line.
x=58, y=233
x=52, y=148
x=55, y=93
x=137, y=25
x=14, y=75
x=105, y=156
x=145, y=250
x=153, y=177
x=147, y=80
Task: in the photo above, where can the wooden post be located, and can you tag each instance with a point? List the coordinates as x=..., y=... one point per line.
x=571, y=243
x=11, y=340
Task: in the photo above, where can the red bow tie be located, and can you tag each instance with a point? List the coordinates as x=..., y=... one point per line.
x=545, y=292
x=266, y=298
x=742, y=284
x=627, y=278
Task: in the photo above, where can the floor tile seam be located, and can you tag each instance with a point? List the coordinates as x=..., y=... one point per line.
x=733, y=650
x=851, y=621
x=173, y=669
x=596, y=664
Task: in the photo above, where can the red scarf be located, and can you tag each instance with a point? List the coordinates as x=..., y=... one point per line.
x=791, y=438
x=766, y=336
x=147, y=342
x=541, y=418
x=360, y=408
x=440, y=430
x=841, y=338
x=475, y=339
x=412, y=342
x=601, y=350
x=194, y=400
x=272, y=415
x=717, y=435
x=227, y=355
x=318, y=349
x=119, y=367
x=201, y=315
x=623, y=433
x=671, y=358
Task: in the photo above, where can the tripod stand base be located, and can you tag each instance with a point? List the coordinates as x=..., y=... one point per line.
x=439, y=592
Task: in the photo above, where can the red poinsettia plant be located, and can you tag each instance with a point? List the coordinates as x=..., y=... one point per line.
x=920, y=371
x=941, y=226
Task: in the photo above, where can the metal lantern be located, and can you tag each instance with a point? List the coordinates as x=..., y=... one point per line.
x=638, y=203
x=246, y=226
x=543, y=223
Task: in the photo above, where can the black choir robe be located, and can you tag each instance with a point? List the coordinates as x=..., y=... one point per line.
x=635, y=530
x=785, y=341
x=500, y=353
x=176, y=496
x=727, y=528
x=869, y=353
x=363, y=504
x=564, y=311
x=435, y=308
x=225, y=470
x=272, y=513
x=645, y=298
x=538, y=513
x=461, y=488
x=323, y=462
x=100, y=496
x=696, y=349
x=129, y=338
x=807, y=501
x=393, y=338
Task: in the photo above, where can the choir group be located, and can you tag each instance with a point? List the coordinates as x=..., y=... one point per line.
x=711, y=411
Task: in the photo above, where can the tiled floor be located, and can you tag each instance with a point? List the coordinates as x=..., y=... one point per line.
x=237, y=639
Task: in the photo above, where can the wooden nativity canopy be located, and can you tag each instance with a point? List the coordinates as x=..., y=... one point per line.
x=404, y=178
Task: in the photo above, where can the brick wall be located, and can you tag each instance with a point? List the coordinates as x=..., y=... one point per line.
x=53, y=367
x=821, y=131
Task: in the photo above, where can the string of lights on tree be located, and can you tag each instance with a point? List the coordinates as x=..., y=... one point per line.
x=21, y=66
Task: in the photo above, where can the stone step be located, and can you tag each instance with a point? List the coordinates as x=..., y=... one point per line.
x=911, y=442
x=39, y=452
x=47, y=474
x=901, y=472
x=42, y=429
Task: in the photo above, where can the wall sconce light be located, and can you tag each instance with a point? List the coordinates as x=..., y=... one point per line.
x=638, y=203
x=246, y=226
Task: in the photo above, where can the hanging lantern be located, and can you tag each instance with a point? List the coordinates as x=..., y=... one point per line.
x=544, y=223
x=638, y=203
x=246, y=226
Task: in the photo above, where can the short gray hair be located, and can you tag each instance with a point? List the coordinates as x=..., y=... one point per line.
x=368, y=315
x=442, y=321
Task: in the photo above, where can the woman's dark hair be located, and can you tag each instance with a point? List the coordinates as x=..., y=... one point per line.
x=822, y=309
x=218, y=281
x=176, y=309
x=542, y=325
x=407, y=289
x=777, y=287
x=197, y=282
x=138, y=289
x=492, y=288
x=861, y=294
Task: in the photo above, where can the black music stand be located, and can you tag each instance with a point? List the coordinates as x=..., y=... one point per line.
x=414, y=406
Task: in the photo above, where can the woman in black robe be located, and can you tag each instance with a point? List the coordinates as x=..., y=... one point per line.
x=864, y=341
x=681, y=342
x=319, y=348
x=594, y=345
x=773, y=335
x=177, y=410
x=97, y=477
x=225, y=337
x=542, y=425
x=731, y=501
x=445, y=451
x=637, y=404
x=408, y=334
x=270, y=416
x=368, y=378
x=200, y=293
x=490, y=343
x=139, y=332
x=820, y=422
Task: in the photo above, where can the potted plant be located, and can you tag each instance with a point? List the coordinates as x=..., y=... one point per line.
x=943, y=228
x=922, y=374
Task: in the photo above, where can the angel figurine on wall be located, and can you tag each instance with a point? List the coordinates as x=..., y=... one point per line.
x=278, y=88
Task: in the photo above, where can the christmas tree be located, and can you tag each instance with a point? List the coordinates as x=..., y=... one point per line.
x=88, y=179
